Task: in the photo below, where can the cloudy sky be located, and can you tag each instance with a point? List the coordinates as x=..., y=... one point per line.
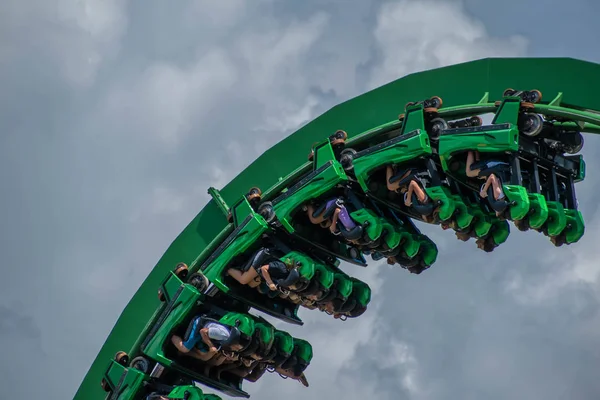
x=116, y=116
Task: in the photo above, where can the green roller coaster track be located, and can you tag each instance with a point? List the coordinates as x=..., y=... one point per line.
x=466, y=89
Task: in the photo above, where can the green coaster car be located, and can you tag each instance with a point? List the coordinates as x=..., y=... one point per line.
x=496, y=140
x=270, y=350
x=287, y=210
x=488, y=230
x=424, y=257
x=539, y=185
x=182, y=304
x=129, y=383
x=412, y=154
x=298, y=360
x=234, y=252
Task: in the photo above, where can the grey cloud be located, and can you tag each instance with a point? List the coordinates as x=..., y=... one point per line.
x=94, y=190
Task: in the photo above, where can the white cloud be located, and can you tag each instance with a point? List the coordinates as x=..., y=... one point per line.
x=418, y=35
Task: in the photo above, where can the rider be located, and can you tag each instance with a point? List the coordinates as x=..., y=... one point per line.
x=482, y=170
x=203, y=340
x=413, y=190
x=334, y=215
x=276, y=273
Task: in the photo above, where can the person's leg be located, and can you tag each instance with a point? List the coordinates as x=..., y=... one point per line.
x=408, y=196
x=486, y=186
x=389, y=173
x=418, y=190
x=243, y=277
x=310, y=209
x=497, y=187
x=470, y=160
x=394, y=186
x=334, y=220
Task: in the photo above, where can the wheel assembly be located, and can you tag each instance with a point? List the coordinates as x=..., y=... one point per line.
x=346, y=158
x=532, y=124
x=122, y=358
x=141, y=364
x=575, y=143
x=181, y=271
x=199, y=281
x=438, y=125
x=266, y=211
x=435, y=102
x=254, y=193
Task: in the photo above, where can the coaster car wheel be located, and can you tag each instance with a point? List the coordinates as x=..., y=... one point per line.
x=104, y=385
x=141, y=364
x=339, y=137
x=575, y=144
x=254, y=193
x=346, y=158
x=437, y=126
x=266, y=211
x=532, y=124
x=122, y=358
x=509, y=92
x=435, y=102
x=181, y=270
x=199, y=281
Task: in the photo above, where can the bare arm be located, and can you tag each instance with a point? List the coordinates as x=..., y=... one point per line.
x=206, y=339
x=266, y=276
x=178, y=343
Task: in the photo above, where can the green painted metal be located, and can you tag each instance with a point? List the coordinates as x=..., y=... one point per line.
x=125, y=383
x=327, y=173
x=193, y=393
x=394, y=151
x=458, y=85
x=173, y=313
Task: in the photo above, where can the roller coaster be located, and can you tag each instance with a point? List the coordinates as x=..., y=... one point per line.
x=359, y=179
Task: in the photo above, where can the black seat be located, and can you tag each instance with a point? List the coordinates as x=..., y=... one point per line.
x=326, y=211
x=497, y=205
x=261, y=256
x=357, y=311
x=423, y=209
x=353, y=234
x=401, y=179
x=290, y=280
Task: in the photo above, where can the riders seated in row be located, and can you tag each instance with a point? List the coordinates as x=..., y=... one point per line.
x=489, y=171
x=408, y=183
x=218, y=345
x=266, y=272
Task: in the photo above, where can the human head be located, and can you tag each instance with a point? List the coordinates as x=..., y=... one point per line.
x=291, y=263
